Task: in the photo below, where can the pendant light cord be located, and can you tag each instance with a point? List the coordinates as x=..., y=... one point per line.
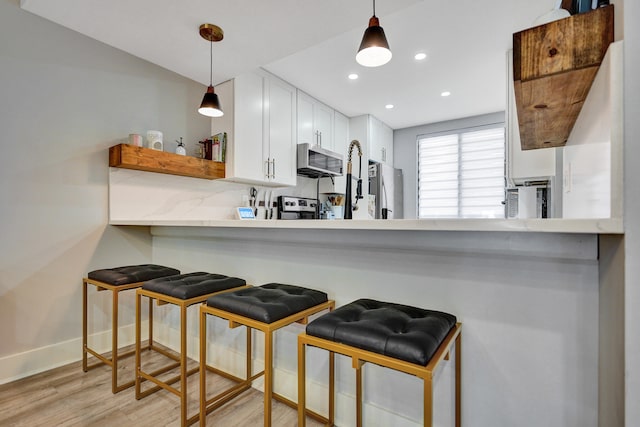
x=210, y=62
x=374, y=7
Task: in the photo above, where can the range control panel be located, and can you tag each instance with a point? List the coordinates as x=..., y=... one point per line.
x=296, y=204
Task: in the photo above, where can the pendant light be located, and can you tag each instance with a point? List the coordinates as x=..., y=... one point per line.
x=211, y=106
x=374, y=48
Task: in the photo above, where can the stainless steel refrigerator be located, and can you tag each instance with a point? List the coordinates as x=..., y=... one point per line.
x=385, y=185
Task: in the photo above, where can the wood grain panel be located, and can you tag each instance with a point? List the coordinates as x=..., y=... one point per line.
x=553, y=68
x=564, y=45
x=548, y=108
x=145, y=159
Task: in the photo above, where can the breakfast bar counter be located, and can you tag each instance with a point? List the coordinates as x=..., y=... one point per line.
x=555, y=225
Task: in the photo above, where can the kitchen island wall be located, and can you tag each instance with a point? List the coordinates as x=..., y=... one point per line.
x=528, y=303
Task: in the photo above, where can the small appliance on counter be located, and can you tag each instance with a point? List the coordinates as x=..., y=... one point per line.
x=531, y=200
x=297, y=208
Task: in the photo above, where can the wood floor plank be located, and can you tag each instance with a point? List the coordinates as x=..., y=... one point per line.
x=66, y=396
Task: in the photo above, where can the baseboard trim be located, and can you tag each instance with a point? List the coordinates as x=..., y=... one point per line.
x=31, y=362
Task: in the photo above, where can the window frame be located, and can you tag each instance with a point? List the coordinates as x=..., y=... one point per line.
x=458, y=131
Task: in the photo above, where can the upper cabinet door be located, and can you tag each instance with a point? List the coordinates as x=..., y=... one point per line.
x=341, y=143
x=386, y=137
x=306, y=131
x=315, y=122
x=381, y=142
x=281, y=111
x=323, y=120
x=260, y=121
x=248, y=161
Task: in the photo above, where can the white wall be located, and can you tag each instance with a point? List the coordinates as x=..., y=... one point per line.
x=528, y=302
x=592, y=178
x=64, y=99
x=632, y=210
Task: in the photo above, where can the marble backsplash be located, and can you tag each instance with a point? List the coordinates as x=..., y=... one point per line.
x=137, y=195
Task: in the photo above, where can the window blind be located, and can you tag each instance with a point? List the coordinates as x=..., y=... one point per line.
x=461, y=174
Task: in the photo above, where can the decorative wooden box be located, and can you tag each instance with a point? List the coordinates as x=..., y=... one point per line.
x=145, y=159
x=553, y=68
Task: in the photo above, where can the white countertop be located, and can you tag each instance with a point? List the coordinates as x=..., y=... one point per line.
x=589, y=226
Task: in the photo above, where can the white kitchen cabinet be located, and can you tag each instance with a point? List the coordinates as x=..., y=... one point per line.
x=260, y=121
x=315, y=122
x=341, y=145
x=524, y=165
x=375, y=136
x=380, y=142
x=281, y=122
x=340, y=132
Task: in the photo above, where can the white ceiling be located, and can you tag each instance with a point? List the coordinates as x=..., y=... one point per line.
x=312, y=45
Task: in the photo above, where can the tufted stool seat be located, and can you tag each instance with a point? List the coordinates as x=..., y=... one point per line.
x=265, y=308
x=183, y=291
x=400, y=337
x=121, y=276
x=116, y=280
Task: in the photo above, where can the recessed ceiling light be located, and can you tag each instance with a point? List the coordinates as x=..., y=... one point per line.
x=420, y=56
x=353, y=76
x=389, y=106
x=445, y=93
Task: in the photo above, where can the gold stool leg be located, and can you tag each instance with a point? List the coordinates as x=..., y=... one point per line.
x=84, y=325
x=248, y=367
x=332, y=387
x=268, y=376
x=428, y=402
x=302, y=384
x=114, y=343
x=138, y=379
x=150, y=317
x=203, y=368
x=183, y=365
x=358, y=367
x=459, y=380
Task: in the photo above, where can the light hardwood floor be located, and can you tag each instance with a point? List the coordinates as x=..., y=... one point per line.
x=67, y=396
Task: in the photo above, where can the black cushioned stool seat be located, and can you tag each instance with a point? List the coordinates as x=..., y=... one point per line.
x=116, y=280
x=400, y=337
x=192, y=285
x=131, y=274
x=265, y=308
x=268, y=303
x=183, y=291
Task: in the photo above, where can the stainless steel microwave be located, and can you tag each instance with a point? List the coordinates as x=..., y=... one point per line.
x=316, y=162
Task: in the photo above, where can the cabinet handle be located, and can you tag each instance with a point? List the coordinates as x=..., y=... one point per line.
x=267, y=168
x=320, y=133
x=274, y=169
x=384, y=154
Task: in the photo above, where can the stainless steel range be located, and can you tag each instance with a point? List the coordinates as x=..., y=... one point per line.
x=297, y=208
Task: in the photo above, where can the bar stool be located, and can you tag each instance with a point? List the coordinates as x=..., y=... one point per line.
x=265, y=308
x=183, y=291
x=399, y=337
x=116, y=280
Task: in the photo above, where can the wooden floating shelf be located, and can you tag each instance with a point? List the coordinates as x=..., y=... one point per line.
x=145, y=159
x=553, y=68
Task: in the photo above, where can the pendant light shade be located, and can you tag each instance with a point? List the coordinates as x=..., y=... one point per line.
x=374, y=48
x=211, y=106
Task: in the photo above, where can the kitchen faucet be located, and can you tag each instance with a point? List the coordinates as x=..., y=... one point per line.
x=348, y=208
